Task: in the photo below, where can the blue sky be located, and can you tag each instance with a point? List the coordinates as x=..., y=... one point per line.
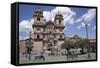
x=74, y=19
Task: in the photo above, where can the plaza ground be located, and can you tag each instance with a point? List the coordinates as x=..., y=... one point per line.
x=23, y=59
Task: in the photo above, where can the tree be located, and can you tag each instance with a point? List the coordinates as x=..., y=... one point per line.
x=82, y=43
x=66, y=44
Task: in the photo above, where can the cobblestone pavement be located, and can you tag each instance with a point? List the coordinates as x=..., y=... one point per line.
x=23, y=59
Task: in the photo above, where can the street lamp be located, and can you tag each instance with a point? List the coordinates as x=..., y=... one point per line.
x=88, y=48
x=29, y=46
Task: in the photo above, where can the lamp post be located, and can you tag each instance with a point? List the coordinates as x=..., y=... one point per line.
x=29, y=47
x=88, y=48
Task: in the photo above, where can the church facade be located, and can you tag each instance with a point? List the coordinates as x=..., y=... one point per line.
x=47, y=35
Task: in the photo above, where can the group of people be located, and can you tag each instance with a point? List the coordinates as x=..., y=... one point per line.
x=67, y=52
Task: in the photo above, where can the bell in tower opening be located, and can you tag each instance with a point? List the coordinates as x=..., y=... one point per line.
x=38, y=16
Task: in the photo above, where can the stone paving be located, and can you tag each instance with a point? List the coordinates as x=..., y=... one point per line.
x=23, y=59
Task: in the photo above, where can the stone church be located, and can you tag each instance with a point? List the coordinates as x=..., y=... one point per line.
x=47, y=35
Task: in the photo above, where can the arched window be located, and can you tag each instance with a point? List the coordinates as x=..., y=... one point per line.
x=38, y=37
x=38, y=19
x=59, y=21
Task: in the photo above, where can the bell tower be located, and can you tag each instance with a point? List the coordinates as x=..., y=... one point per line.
x=38, y=28
x=38, y=16
x=58, y=19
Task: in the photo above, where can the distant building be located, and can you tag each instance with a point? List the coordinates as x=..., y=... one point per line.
x=92, y=40
x=22, y=46
x=74, y=38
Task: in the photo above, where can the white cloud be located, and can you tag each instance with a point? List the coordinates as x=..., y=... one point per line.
x=71, y=21
x=87, y=17
x=78, y=20
x=65, y=11
x=66, y=28
x=47, y=15
x=21, y=38
x=82, y=25
x=68, y=15
x=25, y=26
